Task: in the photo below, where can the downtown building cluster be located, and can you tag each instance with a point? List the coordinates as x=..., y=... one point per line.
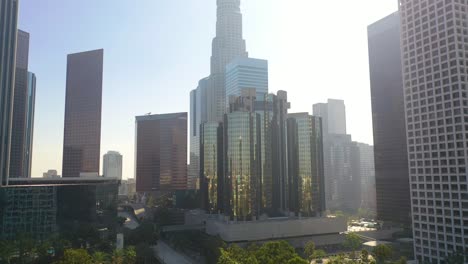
x=248, y=156
x=40, y=207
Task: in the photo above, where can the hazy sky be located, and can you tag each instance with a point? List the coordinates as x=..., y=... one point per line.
x=155, y=51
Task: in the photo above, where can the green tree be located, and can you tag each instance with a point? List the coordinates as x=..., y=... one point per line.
x=76, y=256
x=364, y=256
x=382, y=253
x=297, y=260
x=239, y=255
x=319, y=254
x=100, y=257
x=130, y=256
x=26, y=248
x=402, y=260
x=225, y=258
x=7, y=251
x=352, y=242
x=309, y=250
x=275, y=252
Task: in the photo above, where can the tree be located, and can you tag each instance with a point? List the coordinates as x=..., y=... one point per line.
x=7, y=251
x=238, y=255
x=130, y=256
x=100, y=257
x=364, y=256
x=309, y=250
x=297, y=260
x=352, y=242
x=402, y=260
x=319, y=254
x=76, y=256
x=382, y=253
x=275, y=252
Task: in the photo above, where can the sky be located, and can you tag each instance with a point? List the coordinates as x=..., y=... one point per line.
x=155, y=51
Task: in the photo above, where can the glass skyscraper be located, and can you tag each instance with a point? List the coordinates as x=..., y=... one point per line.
x=82, y=132
x=306, y=173
x=211, y=165
x=246, y=73
x=30, y=112
x=8, y=32
x=18, y=135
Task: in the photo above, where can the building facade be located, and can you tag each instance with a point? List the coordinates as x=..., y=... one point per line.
x=198, y=116
x=8, y=33
x=246, y=73
x=18, y=135
x=388, y=116
x=227, y=45
x=30, y=113
x=306, y=172
x=434, y=38
x=367, y=170
x=112, y=165
x=211, y=167
x=83, y=103
x=333, y=114
x=161, y=153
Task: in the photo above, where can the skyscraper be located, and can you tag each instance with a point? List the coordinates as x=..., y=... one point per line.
x=8, y=32
x=227, y=45
x=30, y=112
x=198, y=116
x=112, y=165
x=18, y=135
x=306, y=174
x=245, y=73
x=367, y=170
x=388, y=116
x=333, y=114
x=161, y=153
x=82, y=132
x=434, y=38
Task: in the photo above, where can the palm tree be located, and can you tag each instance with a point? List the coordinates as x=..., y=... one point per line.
x=7, y=251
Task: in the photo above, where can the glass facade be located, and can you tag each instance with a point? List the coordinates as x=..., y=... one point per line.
x=161, y=153
x=8, y=33
x=211, y=154
x=41, y=207
x=82, y=132
x=242, y=159
x=306, y=179
x=30, y=111
x=18, y=135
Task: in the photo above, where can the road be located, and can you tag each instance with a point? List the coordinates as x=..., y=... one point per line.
x=169, y=256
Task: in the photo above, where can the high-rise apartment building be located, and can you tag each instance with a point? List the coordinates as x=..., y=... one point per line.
x=161, y=153
x=198, y=116
x=434, y=38
x=246, y=73
x=18, y=135
x=388, y=116
x=8, y=33
x=306, y=172
x=112, y=165
x=30, y=112
x=227, y=45
x=82, y=132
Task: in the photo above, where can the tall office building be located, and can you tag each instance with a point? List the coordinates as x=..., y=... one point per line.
x=341, y=158
x=246, y=73
x=161, y=153
x=333, y=114
x=388, y=116
x=367, y=170
x=434, y=38
x=306, y=173
x=82, y=132
x=18, y=135
x=8, y=33
x=30, y=112
x=227, y=45
x=212, y=167
x=112, y=165
x=198, y=116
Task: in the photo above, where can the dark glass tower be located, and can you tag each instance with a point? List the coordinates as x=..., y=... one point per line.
x=227, y=45
x=30, y=111
x=161, y=153
x=388, y=116
x=82, y=133
x=18, y=136
x=8, y=31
